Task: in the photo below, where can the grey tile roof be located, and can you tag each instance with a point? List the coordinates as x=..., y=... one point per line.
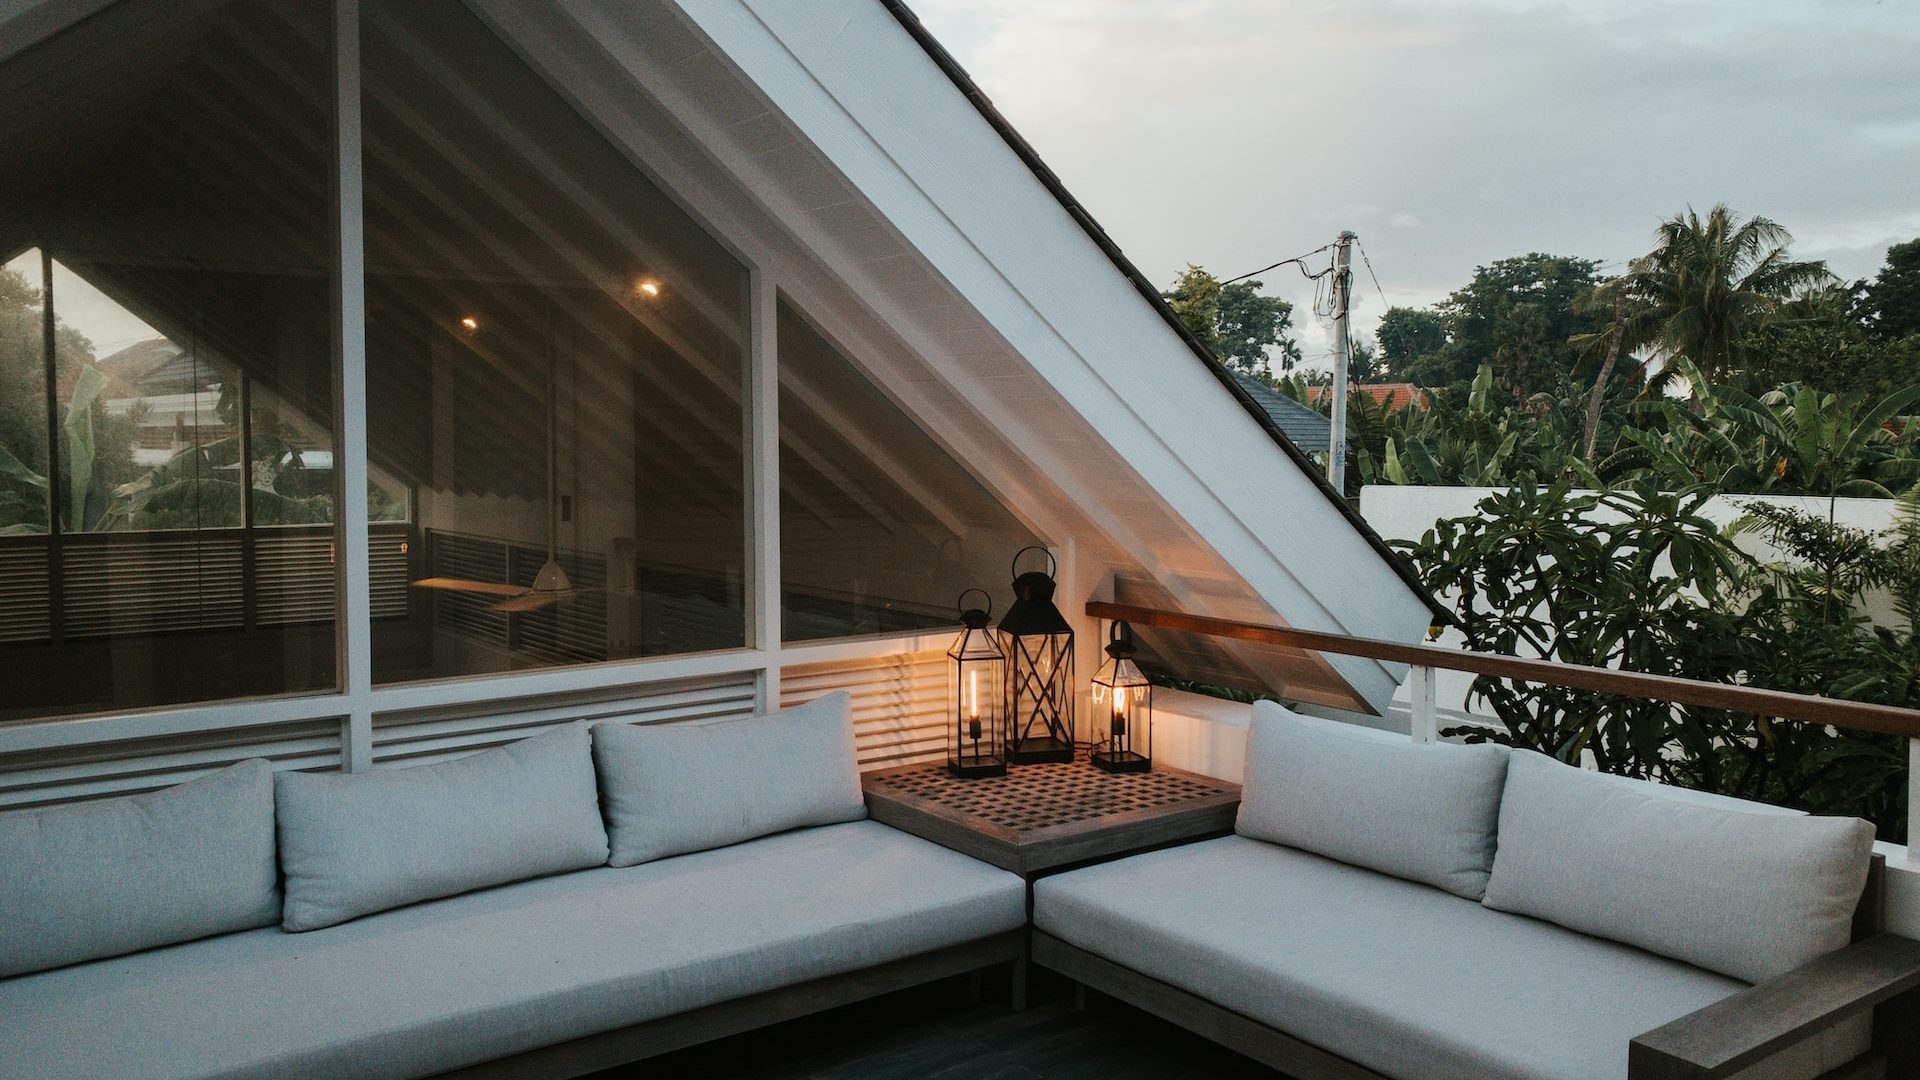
x=1309, y=430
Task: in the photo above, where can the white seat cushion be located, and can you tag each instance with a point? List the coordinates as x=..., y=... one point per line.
x=437, y=986
x=1402, y=978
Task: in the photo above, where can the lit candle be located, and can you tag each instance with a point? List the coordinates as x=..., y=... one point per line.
x=973, y=705
x=1119, y=712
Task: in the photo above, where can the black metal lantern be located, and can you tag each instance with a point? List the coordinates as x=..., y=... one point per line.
x=976, y=674
x=1122, y=708
x=1040, y=687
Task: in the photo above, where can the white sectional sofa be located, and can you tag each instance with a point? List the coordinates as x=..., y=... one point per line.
x=1455, y=913
x=517, y=912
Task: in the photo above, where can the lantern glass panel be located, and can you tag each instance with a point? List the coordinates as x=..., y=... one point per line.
x=976, y=724
x=1122, y=720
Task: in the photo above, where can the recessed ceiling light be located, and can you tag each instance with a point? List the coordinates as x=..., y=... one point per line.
x=470, y=324
x=648, y=288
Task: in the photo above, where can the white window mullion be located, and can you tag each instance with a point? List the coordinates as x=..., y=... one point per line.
x=762, y=419
x=354, y=628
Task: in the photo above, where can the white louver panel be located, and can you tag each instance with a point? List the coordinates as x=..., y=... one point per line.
x=40, y=777
x=151, y=583
x=422, y=736
x=899, y=703
x=23, y=591
x=293, y=576
x=389, y=567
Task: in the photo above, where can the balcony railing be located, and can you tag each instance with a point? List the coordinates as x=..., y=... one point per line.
x=1424, y=660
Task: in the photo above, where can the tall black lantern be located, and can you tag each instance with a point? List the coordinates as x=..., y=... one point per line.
x=1122, y=708
x=1039, y=647
x=976, y=682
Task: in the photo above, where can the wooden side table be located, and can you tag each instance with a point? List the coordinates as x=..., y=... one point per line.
x=1043, y=819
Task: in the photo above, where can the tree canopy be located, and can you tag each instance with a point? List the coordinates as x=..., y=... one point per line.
x=1517, y=315
x=1890, y=304
x=1245, y=329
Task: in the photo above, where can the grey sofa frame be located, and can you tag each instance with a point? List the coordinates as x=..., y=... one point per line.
x=623, y=1046
x=1879, y=971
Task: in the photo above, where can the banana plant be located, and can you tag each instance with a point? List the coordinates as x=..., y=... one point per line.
x=82, y=509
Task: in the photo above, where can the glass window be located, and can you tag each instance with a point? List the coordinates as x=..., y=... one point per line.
x=176, y=173
x=880, y=528
x=555, y=356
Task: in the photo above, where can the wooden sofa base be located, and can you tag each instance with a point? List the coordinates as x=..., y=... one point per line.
x=1267, y=1045
x=654, y=1037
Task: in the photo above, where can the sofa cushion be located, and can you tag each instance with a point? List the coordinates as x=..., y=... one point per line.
x=443, y=985
x=675, y=788
x=1424, y=813
x=1399, y=977
x=356, y=843
x=108, y=877
x=1750, y=895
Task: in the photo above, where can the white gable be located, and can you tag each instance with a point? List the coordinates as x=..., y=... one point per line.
x=922, y=239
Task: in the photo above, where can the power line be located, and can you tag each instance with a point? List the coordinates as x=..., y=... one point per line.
x=1299, y=261
x=1369, y=265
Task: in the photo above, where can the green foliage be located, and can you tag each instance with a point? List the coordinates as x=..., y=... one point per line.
x=1516, y=315
x=78, y=429
x=1408, y=336
x=1195, y=298
x=1638, y=578
x=1891, y=304
x=1710, y=284
x=1241, y=327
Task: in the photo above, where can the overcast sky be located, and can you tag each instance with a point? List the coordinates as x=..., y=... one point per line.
x=1450, y=133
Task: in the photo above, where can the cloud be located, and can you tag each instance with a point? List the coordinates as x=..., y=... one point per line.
x=1232, y=133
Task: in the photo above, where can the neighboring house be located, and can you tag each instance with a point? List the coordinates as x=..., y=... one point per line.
x=763, y=325
x=1308, y=428
x=1389, y=396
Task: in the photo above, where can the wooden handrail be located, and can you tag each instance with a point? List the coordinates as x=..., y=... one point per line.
x=1811, y=708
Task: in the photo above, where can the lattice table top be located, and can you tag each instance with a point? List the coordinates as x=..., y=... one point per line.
x=1041, y=818
x=1033, y=797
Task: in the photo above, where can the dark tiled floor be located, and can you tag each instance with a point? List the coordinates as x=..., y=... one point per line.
x=935, y=1031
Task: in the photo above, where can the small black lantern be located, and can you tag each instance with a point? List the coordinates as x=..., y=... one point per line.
x=1123, y=707
x=1040, y=687
x=976, y=673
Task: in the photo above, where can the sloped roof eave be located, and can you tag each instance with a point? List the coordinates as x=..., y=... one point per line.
x=1024, y=150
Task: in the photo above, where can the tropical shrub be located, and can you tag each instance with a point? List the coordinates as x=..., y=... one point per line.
x=1636, y=577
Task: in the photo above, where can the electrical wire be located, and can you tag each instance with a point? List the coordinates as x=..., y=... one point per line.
x=1369, y=265
x=1299, y=261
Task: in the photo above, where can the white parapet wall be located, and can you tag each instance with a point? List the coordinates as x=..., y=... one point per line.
x=1208, y=735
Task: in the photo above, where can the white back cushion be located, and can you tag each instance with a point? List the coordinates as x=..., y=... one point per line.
x=675, y=788
x=114, y=876
x=1423, y=813
x=1747, y=894
x=353, y=844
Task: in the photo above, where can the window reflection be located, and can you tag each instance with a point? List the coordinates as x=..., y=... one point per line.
x=166, y=217
x=880, y=528
x=555, y=355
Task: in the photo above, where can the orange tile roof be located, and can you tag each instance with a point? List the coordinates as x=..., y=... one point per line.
x=1394, y=395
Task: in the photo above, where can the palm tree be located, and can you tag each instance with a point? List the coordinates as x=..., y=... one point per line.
x=1709, y=284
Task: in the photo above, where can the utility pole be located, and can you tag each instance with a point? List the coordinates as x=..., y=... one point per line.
x=1342, y=344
